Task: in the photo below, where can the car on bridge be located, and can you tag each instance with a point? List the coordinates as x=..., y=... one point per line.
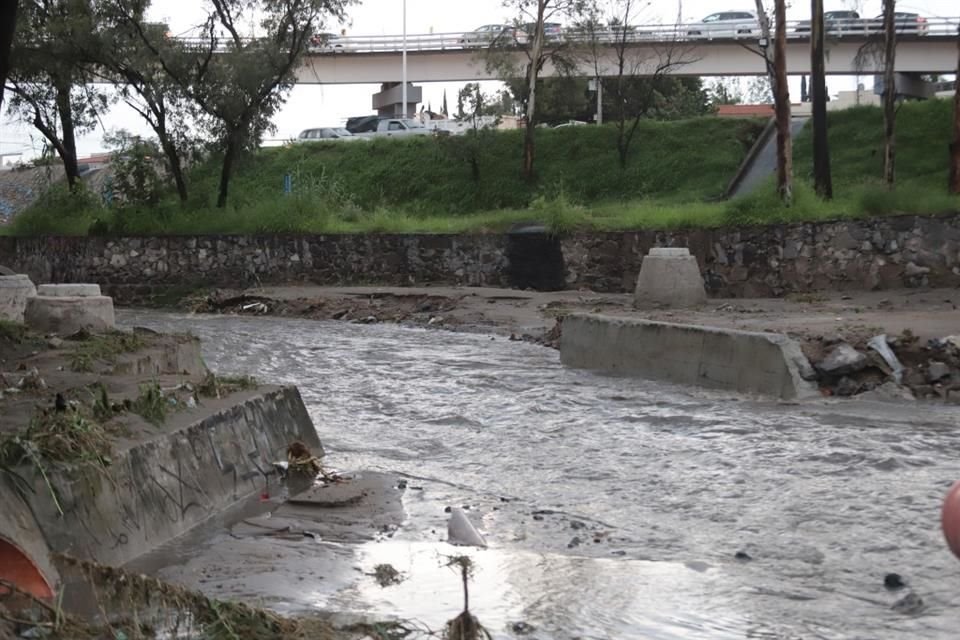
x=726, y=24
x=904, y=22
x=326, y=42
x=488, y=34
x=326, y=134
x=836, y=23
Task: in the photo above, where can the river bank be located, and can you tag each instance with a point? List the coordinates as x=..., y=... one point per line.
x=915, y=321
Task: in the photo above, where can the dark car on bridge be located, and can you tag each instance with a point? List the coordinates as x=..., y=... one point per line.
x=837, y=23
x=905, y=23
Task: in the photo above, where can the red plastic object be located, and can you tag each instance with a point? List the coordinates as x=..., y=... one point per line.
x=264, y=496
x=16, y=567
x=950, y=519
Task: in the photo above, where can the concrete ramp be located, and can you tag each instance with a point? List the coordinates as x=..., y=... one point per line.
x=769, y=364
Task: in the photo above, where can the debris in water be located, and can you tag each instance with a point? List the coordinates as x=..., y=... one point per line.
x=460, y=530
x=743, y=556
x=386, y=575
x=893, y=581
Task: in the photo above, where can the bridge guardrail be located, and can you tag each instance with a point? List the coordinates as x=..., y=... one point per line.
x=691, y=33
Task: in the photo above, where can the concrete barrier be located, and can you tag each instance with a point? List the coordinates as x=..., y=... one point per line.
x=68, y=290
x=669, y=277
x=747, y=362
x=66, y=315
x=14, y=291
x=160, y=488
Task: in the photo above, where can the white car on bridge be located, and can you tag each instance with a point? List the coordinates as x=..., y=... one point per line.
x=726, y=24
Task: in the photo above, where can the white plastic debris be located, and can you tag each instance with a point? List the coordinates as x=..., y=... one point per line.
x=880, y=345
x=460, y=531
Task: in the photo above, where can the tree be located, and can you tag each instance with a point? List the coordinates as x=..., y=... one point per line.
x=446, y=112
x=480, y=112
x=136, y=181
x=530, y=37
x=148, y=90
x=49, y=80
x=781, y=95
x=889, y=91
x=821, y=150
x=954, y=180
x=239, y=83
x=8, y=25
x=639, y=79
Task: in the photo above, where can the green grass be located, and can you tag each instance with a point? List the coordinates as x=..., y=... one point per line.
x=105, y=347
x=676, y=172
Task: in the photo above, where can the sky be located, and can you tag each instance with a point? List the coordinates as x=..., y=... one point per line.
x=314, y=106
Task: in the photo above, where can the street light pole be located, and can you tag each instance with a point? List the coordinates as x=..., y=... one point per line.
x=404, y=74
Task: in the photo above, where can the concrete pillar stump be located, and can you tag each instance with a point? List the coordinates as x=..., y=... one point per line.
x=67, y=308
x=14, y=291
x=671, y=278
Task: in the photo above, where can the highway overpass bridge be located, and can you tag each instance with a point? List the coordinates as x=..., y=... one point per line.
x=453, y=58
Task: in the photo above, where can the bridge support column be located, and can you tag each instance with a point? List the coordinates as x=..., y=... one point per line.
x=389, y=101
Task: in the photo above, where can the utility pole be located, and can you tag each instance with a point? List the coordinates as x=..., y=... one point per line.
x=781, y=94
x=599, y=100
x=818, y=78
x=403, y=75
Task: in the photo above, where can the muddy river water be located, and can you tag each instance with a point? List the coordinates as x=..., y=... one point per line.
x=614, y=507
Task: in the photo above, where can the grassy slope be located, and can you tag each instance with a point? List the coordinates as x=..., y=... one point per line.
x=676, y=171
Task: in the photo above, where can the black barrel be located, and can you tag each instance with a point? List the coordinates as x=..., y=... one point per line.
x=535, y=259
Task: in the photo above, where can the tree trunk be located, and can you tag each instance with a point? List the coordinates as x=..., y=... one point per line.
x=889, y=91
x=818, y=78
x=532, y=74
x=955, y=145
x=782, y=105
x=764, y=21
x=175, y=167
x=68, y=150
x=8, y=26
x=226, y=171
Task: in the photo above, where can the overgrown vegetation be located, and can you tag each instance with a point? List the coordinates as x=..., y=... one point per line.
x=151, y=404
x=674, y=179
x=103, y=348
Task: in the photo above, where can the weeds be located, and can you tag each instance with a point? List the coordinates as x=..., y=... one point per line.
x=151, y=405
x=103, y=348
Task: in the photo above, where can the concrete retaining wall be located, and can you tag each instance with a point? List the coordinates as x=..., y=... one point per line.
x=158, y=490
x=759, y=363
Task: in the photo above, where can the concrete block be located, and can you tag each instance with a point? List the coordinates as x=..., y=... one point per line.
x=14, y=291
x=745, y=362
x=65, y=315
x=670, y=277
x=162, y=487
x=68, y=290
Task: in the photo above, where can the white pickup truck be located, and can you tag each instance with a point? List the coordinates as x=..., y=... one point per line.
x=396, y=127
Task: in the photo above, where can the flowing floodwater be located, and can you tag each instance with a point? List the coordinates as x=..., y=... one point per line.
x=614, y=507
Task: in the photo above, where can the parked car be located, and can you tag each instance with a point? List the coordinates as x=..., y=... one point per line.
x=362, y=124
x=325, y=133
x=726, y=24
x=837, y=23
x=904, y=22
x=488, y=34
x=396, y=127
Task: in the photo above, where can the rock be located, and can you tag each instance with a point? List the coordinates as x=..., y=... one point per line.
x=846, y=387
x=55, y=343
x=937, y=371
x=742, y=556
x=893, y=581
x=842, y=360
x=889, y=392
x=576, y=524
x=912, y=270
x=522, y=628
x=909, y=604
x=575, y=542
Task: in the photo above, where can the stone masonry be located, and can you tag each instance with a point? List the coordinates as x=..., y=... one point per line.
x=774, y=260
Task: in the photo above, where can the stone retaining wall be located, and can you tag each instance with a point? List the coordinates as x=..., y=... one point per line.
x=773, y=260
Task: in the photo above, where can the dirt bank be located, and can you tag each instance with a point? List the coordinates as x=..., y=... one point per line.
x=915, y=321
